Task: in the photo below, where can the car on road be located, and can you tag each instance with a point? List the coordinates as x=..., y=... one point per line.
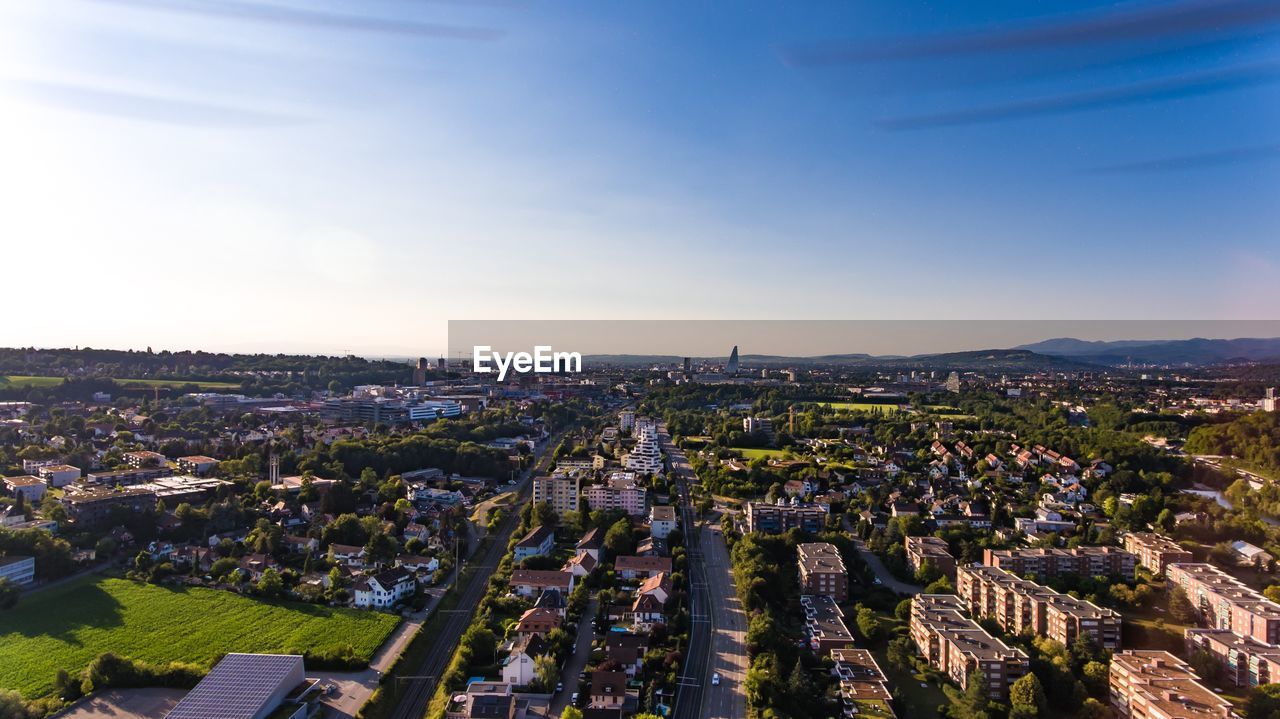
x=573, y=699
x=877, y=581
x=559, y=687
x=715, y=679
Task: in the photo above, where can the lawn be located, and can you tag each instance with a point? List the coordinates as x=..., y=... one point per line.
x=753, y=453
x=874, y=407
x=66, y=627
x=21, y=381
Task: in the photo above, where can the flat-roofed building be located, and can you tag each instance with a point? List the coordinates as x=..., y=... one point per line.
x=126, y=477
x=1052, y=562
x=30, y=488
x=1154, y=684
x=561, y=492
x=1224, y=602
x=94, y=504
x=1245, y=662
x=822, y=570
x=249, y=686
x=955, y=645
x=606, y=497
x=145, y=458
x=779, y=518
x=824, y=623
x=933, y=550
x=864, y=691
x=1155, y=551
x=197, y=464
x=59, y=475
x=20, y=570
x=662, y=521
x=1019, y=606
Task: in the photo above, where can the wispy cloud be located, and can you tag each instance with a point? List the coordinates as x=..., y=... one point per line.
x=1194, y=161
x=1191, y=17
x=298, y=17
x=148, y=108
x=1157, y=91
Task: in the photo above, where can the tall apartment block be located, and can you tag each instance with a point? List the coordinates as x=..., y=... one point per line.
x=1020, y=606
x=1154, y=684
x=953, y=644
x=1226, y=603
x=822, y=570
x=1155, y=551
x=933, y=550
x=1082, y=561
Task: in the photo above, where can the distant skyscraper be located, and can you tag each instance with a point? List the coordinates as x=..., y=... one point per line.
x=420, y=372
x=688, y=366
x=732, y=367
x=953, y=382
x=1270, y=402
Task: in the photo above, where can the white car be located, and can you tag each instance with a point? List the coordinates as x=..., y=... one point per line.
x=715, y=679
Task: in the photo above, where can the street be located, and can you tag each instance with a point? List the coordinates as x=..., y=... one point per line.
x=717, y=637
x=577, y=662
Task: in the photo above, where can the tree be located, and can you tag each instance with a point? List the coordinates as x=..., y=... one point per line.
x=899, y=653
x=1093, y=709
x=1180, y=606
x=270, y=584
x=868, y=624
x=545, y=672
x=1263, y=702
x=1272, y=592
x=223, y=567
x=571, y=712
x=974, y=702
x=544, y=515
x=1097, y=677
x=903, y=610
x=620, y=540
x=12, y=706
x=380, y=549
x=1026, y=698
x=9, y=593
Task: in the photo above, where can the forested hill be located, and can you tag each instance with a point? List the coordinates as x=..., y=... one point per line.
x=307, y=370
x=1255, y=438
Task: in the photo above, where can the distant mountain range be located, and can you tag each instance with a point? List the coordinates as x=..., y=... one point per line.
x=1063, y=353
x=993, y=359
x=1196, y=352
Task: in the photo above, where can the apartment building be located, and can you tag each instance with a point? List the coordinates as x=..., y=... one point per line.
x=91, y=505
x=662, y=521
x=778, y=518
x=1155, y=551
x=20, y=570
x=1081, y=561
x=864, y=691
x=1154, y=684
x=1245, y=662
x=645, y=457
x=559, y=491
x=822, y=570
x=1226, y=603
x=1019, y=605
x=824, y=623
x=145, y=458
x=933, y=550
x=58, y=475
x=955, y=645
x=632, y=500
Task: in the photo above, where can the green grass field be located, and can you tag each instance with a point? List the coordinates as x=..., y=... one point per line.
x=874, y=407
x=21, y=381
x=750, y=454
x=66, y=627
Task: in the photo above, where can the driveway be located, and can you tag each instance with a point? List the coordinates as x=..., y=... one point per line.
x=577, y=662
x=125, y=704
x=882, y=572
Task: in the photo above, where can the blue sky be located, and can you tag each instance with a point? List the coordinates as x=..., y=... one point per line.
x=339, y=175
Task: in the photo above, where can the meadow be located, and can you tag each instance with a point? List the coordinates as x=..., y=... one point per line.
x=66, y=627
x=751, y=453
x=14, y=381
x=874, y=407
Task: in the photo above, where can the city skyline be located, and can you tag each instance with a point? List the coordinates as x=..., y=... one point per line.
x=349, y=177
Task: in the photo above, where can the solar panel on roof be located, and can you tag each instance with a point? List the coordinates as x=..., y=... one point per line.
x=240, y=686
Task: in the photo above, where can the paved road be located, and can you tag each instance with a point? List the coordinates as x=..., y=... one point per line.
x=416, y=692
x=882, y=572
x=718, y=628
x=577, y=662
x=729, y=637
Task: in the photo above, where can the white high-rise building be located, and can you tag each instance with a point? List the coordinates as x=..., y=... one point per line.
x=1270, y=401
x=645, y=457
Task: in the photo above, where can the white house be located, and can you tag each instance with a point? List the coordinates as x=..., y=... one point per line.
x=385, y=588
x=518, y=667
x=662, y=520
